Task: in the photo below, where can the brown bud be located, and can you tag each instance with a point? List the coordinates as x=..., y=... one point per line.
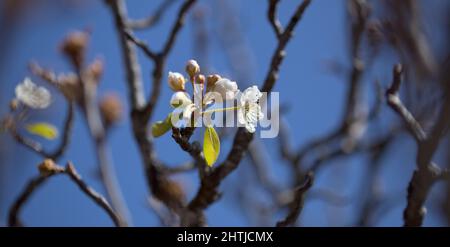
x=212, y=79
x=70, y=86
x=48, y=167
x=111, y=109
x=74, y=46
x=192, y=68
x=14, y=104
x=200, y=79
x=95, y=70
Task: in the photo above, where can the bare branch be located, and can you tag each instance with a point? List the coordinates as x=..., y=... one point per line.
x=132, y=67
x=162, y=56
x=177, y=26
x=272, y=16
x=277, y=57
x=152, y=19
x=38, y=181
x=38, y=148
x=427, y=173
x=98, y=133
x=396, y=104
x=192, y=148
x=142, y=111
x=297, y=203
x=141, y=44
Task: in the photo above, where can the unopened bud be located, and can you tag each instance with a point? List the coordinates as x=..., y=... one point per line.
x=74, y=46
x=176, y=81
x=200, y=79
x=95, y=70
x=48, y=167
x=70, y=86
x=192, y=68
x=211, y=80
x=111, y=109
x=14, y=104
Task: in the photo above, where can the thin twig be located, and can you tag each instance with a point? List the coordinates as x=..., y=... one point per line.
x=98, y=133
x=141, y=44
x=39, y=180
x=152, y=19
x=297, y=203
x=37, y=147
x=396, y=104
x=273, y=20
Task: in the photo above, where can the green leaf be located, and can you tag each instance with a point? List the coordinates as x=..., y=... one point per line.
x=211, y=146
x=42, y=129
x=161, y=127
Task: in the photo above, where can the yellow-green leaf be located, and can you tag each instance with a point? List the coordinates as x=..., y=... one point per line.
x=161, y=127
x=42, y=129
x=211, y=146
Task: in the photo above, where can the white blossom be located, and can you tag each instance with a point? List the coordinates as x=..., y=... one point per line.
x=249, y=109
x=226, y=88
x=176, y=81
x=32, y=95
x=182, y=103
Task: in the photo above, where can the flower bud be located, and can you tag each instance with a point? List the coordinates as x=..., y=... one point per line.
x=111, y=109
x=192, y=68
x=176, y=81
x=200, y=79
x=199, y=84
x=48, y=167
x=180, y=99
x=95, y=70
x=14, y=104
x=74, y=46
x=70, y=86
x=211, y=81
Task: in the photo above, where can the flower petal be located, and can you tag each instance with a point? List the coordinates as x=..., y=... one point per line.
x=33, y=96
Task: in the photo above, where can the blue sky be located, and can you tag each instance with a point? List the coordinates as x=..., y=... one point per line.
x=314, y=96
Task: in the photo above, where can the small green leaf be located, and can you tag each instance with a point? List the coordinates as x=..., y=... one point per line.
x=161, y=127
x=42, y=129
x=211, y=146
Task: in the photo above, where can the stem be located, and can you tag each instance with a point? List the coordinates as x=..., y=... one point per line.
x=222, y=110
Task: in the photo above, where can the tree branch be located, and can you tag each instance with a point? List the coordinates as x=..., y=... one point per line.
x=426, y=173
x=298, y=201
x=37, y=147
x=273, y=20
x=396, y=104
x=142, y=111
x=38, y=181
x=152, y=19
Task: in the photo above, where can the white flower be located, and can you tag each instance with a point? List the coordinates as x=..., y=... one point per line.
x=182, y=103
x=249, y=109
x=176, y=81
x=226, y=88
x=180, y=99
x=32, y=95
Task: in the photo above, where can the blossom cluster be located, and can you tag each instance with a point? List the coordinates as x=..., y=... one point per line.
x=210, y=90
